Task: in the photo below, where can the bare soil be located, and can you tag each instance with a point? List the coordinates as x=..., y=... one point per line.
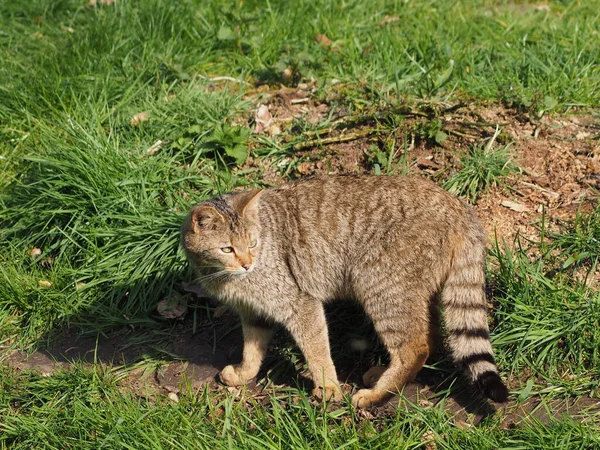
x=559, y=156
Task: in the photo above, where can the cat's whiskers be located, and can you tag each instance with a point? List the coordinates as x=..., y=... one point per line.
x=213, y=276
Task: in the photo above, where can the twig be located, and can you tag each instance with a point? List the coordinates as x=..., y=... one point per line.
x=297, y=101
x=484, y=124
x=223, y=78
x=459, y=134
x=334, y=140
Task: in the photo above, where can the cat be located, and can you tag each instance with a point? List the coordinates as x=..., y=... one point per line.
x=400, y=246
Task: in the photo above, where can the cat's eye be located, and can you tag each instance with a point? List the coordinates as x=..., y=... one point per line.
x=227, y=249
x=252, y=243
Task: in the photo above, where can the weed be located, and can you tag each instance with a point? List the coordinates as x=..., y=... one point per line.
x=579, y=240
x=482, y=168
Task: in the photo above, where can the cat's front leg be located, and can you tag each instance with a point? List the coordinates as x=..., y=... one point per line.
x=309, y=329
x=257, y=334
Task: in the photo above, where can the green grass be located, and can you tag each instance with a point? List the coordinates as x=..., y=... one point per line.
x=481, y=168
x=85, y=409
x=78, y=182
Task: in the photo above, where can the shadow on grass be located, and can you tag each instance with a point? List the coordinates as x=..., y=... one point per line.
x=193, y=350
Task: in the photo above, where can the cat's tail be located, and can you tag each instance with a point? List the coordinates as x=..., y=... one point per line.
x=465, y=310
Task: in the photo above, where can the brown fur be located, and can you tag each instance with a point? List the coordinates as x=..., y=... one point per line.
x=396, y=245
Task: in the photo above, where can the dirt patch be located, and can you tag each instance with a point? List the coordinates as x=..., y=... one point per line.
x=558, y=156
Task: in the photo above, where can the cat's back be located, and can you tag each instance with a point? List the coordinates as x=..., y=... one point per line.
x=336, y=228
x=342, y=206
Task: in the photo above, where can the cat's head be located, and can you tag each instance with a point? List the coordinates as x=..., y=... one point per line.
x=222, y=236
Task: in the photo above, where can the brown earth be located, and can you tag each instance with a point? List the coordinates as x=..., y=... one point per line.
x=559, y=157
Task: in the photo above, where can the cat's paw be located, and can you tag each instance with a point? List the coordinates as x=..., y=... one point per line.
x=331, y=392
x=231, y=377
x=373, y=375
x=365, y=398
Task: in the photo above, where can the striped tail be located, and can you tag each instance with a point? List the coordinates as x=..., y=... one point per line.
x=464, y=303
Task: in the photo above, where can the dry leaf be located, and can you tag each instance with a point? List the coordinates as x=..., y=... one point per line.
x=274, y=130
x=46, y=262
x=220, y=311
x=174, y=307
x=324, y=40
x=427, y=162
x=365, y=414
x=263, y=119
x=155, y=147
x=138, y=118
x=515, y=206
x=582, y=135
x=287, y=74
x=387, y=20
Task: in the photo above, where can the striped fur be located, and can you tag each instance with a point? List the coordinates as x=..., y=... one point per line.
x=393, y=244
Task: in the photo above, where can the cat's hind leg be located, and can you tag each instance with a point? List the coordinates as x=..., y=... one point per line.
x=405, y=363
x=404, y=327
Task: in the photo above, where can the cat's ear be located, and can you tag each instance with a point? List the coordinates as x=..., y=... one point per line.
x=247, y=203
x=204, y=217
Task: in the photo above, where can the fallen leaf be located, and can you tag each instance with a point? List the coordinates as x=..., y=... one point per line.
x=427, y=162
x=155, y=147
x=46, y=262
x=287, y=74
x=324, y=40
x=263, y=119
x=220, y=311
x=174, y=307
x=365, y=414
x=138, y=118
x=515, y=206
x=582, y=135
x=274, y=130
x=388, y=19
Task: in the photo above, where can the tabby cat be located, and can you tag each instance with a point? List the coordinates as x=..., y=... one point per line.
x=399, y=246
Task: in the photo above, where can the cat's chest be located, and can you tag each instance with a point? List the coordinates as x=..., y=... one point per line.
x=264, y=291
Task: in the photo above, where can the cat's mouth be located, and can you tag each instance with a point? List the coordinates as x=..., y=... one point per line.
x=241, y=273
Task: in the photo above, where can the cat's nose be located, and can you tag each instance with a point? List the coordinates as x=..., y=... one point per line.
x=246, y=265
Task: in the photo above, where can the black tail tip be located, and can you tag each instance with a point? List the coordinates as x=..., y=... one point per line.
x=492, y=386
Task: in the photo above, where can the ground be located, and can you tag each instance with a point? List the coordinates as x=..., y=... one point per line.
x=558, y=157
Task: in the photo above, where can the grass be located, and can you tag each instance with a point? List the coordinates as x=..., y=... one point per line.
x=102, y=197
x=482, y=168
x=85, y=409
